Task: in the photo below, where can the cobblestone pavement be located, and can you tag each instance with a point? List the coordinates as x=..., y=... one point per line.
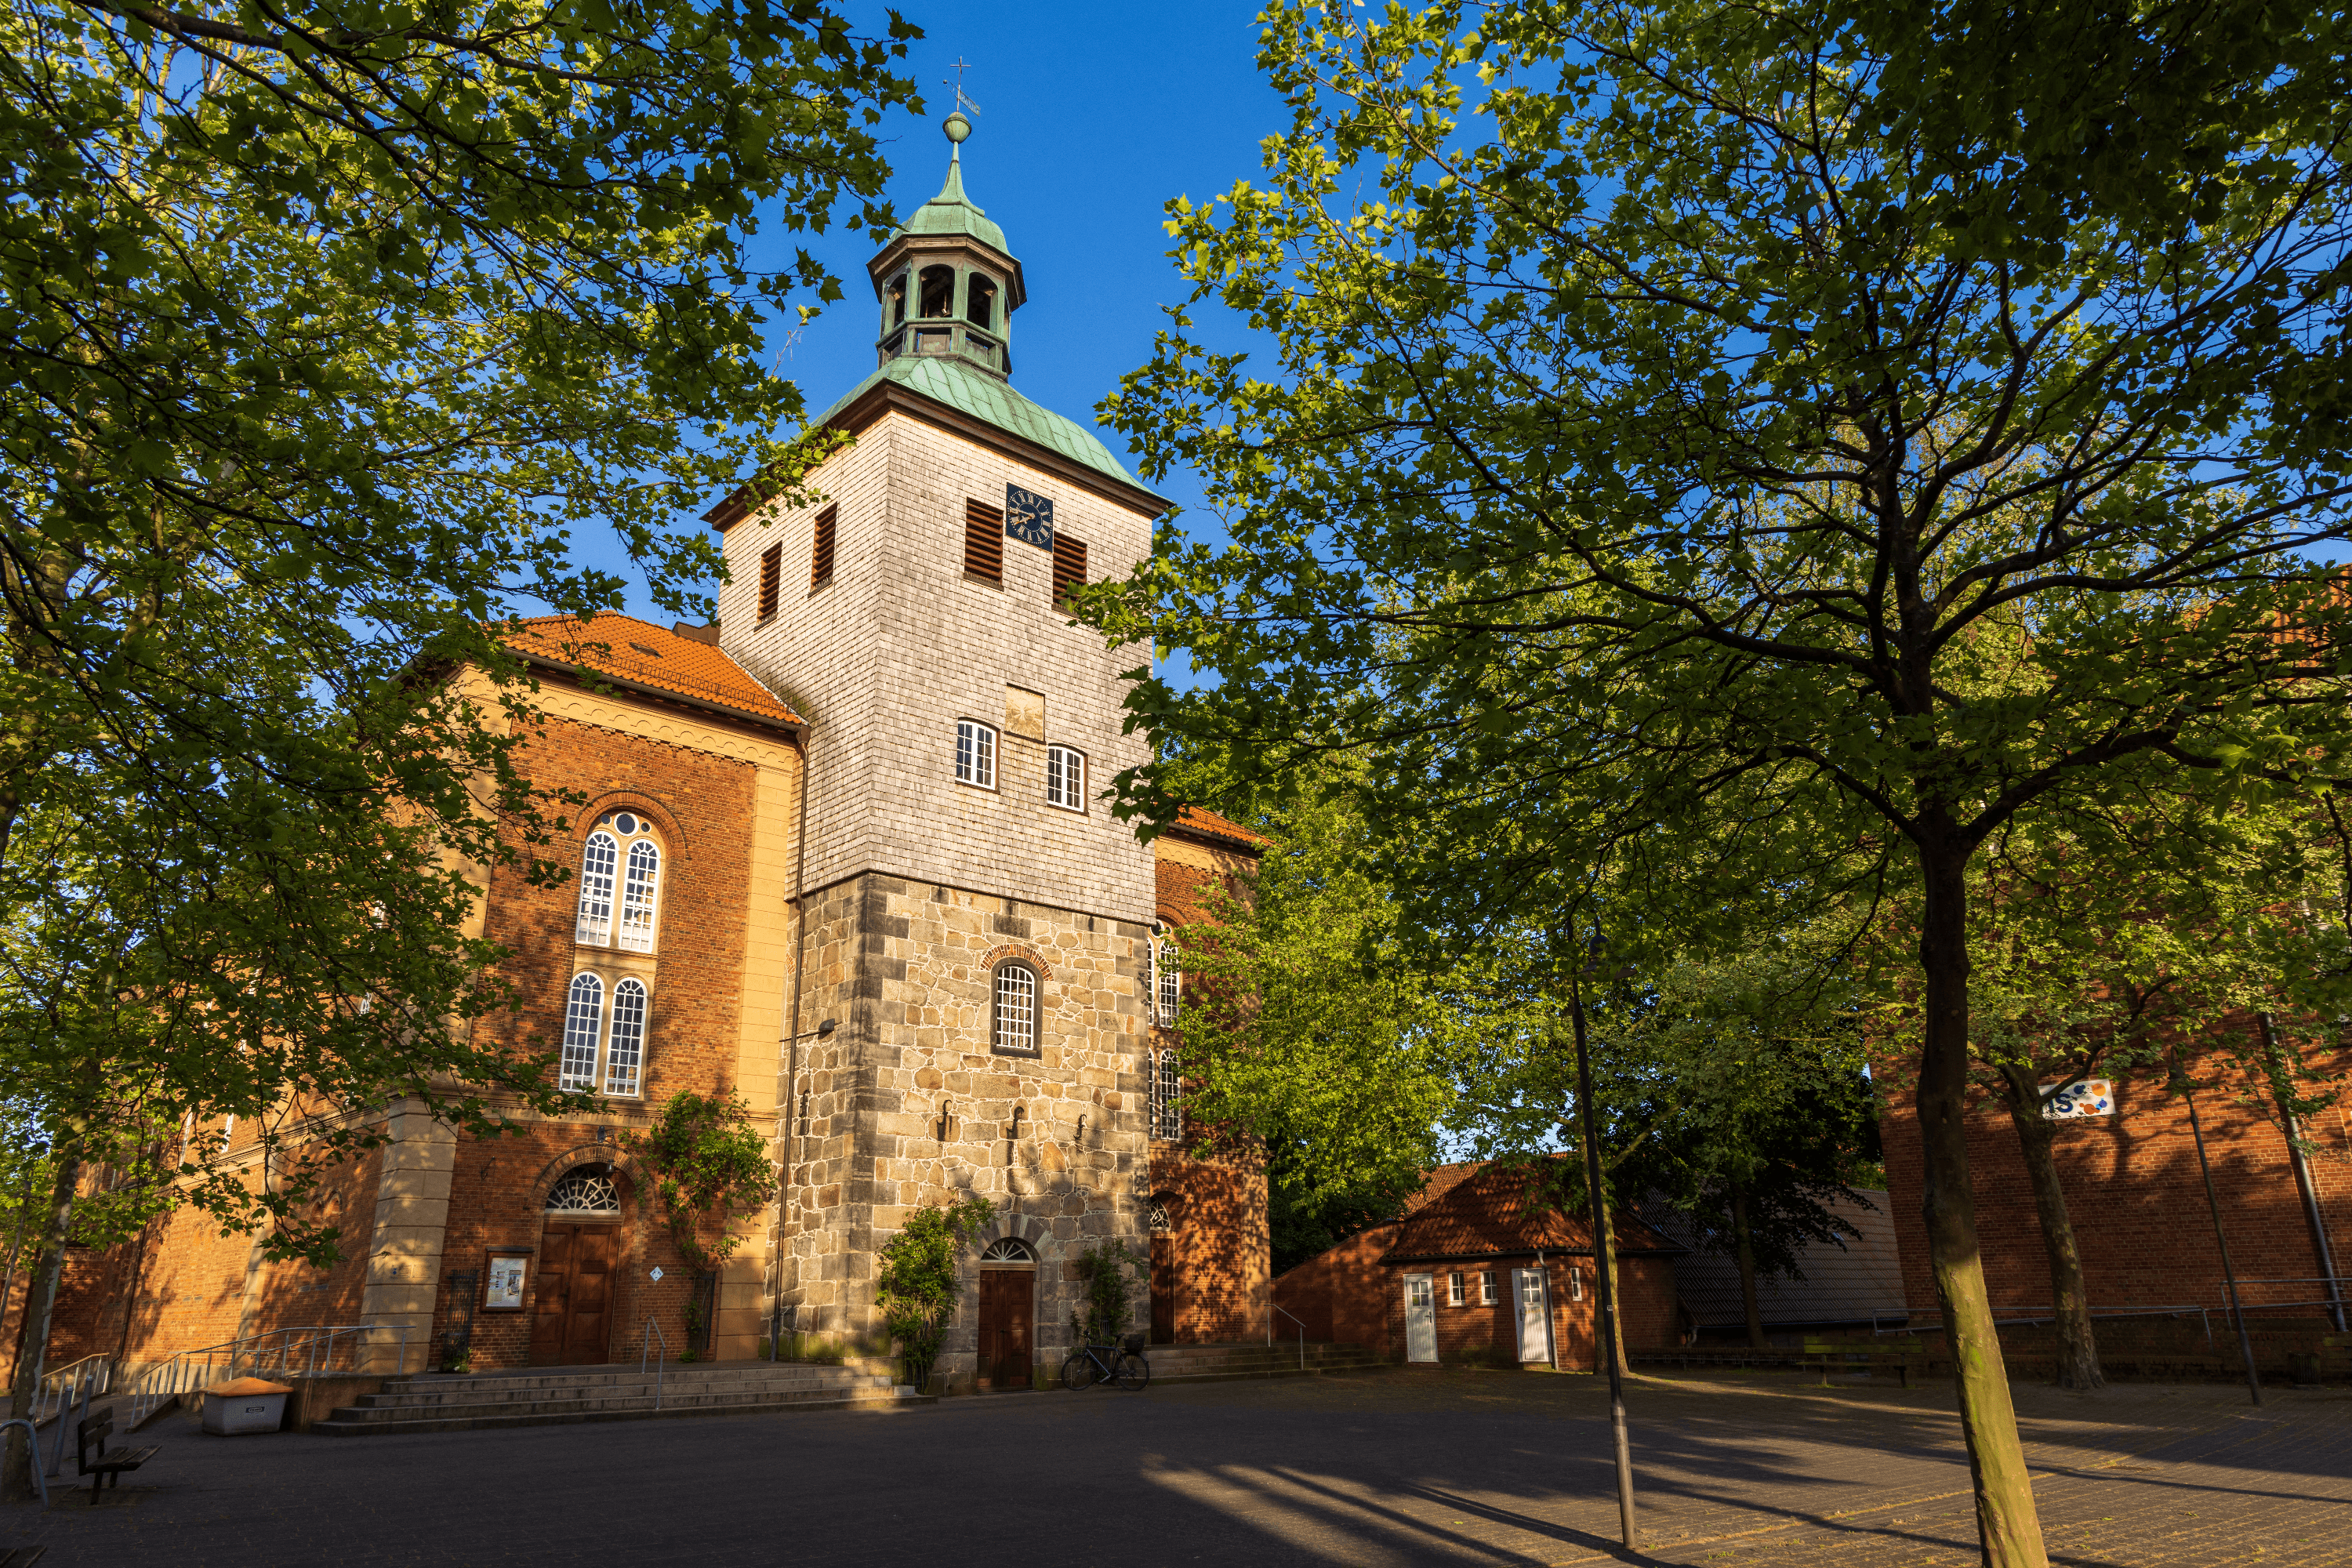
x=1758, y=1471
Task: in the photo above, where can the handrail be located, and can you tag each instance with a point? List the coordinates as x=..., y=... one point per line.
x=32, y=1456
x=309, y=1348
x=65, y=1382
x=1293, y=1317
x=2049, y=1315
x=653, y=1331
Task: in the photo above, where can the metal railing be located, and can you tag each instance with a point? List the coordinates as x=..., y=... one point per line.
x=33, y=1456
x=653, y=1331
x=76, y=1380
x=1293, y=1317
x=297, y=1351
x=2338, y=1288
x=2044, y=1315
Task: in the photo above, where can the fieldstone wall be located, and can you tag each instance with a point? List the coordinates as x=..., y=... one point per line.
x=908, y=1104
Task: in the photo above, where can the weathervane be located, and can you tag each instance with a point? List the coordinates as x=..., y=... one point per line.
x=963, y=100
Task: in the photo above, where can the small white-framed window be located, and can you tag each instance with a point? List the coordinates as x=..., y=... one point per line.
x=1575, y=1283
x=975, y=761
x=1166, y=1096
x=1171, y=980
x=638, y=891
x=1454, y=1289
x=625, y=1051
x=1016, y=1009
x=583, y=1029
x=598, y=863
x=1486, y=1288
x=1065, y=778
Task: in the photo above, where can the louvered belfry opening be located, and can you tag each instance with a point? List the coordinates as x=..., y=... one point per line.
x=1069, y=565
x=983, y=543
x=821, y=549
x=772, y=571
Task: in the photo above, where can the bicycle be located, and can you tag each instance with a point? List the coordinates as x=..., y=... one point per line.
x=1122, y=1364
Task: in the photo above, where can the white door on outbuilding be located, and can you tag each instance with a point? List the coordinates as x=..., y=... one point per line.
x=1535, y=1315
x=1420, y=1319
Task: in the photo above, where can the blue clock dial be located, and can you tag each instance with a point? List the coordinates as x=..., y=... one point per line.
x=1028, y=516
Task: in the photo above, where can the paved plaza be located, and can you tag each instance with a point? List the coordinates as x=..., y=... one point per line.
x=1391, y=1467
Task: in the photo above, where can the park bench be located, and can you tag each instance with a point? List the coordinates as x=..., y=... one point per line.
x=96, y=1461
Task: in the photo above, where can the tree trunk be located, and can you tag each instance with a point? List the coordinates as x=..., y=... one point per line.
x=1616, y=1285
x=2078, y=1349
x=1744, y=1249
x=40, y=1297
x=2009, y=1530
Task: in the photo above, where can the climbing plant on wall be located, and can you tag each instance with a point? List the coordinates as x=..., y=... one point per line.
x=916, y=1284
x=708, y=1164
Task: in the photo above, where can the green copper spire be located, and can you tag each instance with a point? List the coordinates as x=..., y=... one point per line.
x=952, y=212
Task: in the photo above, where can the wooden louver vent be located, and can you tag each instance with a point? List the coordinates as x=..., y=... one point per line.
x=983, y=543
x=1070, y=567
x=772, y=568
x=821, y=549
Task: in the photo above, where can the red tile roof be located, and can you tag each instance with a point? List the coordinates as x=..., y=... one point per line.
x=627, y=649
x=1192, y=818
x=1495, y=1211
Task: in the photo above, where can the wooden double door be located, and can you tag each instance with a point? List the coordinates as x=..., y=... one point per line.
x=571, y=1321
x=1008, y=1307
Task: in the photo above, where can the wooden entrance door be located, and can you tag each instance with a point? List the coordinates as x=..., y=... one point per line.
x=572, y=1320
x=1008, y=1304
x=1163, y=1289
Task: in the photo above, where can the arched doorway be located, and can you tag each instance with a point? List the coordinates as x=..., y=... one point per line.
x=578, y=1255
x=1008, y=1307
x=1161, y=1218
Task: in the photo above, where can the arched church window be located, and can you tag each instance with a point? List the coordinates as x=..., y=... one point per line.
x=1016, y=1009
x=1008, y=1249
x=638, y=894
x=980, y=300
x=625, y=1054
x=598, y=862
x=1171, y=977
x=590, y=1190
x=936, y=296
x=1167, y=1097
x=583, y=1024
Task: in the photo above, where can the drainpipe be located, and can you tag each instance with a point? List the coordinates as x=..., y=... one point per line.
x=793, y=1061
x=2303, y=1182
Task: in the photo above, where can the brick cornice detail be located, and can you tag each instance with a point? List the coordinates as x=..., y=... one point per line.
x=1021, y=951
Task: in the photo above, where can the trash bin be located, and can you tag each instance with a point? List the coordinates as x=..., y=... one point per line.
x=244, y=1405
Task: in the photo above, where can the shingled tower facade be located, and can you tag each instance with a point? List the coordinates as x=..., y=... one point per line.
x=970, y=1009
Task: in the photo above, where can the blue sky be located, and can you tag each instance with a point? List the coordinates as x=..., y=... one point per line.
x=1091, y=118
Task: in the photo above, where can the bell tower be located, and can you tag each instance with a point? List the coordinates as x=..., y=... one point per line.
x=947, y=283
x=972, y=922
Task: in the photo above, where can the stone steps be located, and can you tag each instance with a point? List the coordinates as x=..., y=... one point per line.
x=443, y=1403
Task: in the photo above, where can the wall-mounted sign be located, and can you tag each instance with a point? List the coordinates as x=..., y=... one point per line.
x=1029, y=517
x=502, y=1289
x=2084, y=1096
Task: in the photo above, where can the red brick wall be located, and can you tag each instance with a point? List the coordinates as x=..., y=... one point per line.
x=1221, y=1245
x=2136, y=1197
x=1339, y=1295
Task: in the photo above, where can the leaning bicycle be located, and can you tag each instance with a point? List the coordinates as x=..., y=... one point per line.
x=1121, y=1363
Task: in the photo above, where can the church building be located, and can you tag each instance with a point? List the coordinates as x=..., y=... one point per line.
x=845, y=854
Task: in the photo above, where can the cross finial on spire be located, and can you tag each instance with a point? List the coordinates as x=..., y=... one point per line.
x=963, y=100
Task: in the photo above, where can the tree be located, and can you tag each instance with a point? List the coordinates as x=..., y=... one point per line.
x=1683, y=395
x=708, y=1164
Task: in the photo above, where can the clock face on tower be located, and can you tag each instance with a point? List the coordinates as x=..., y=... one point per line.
x=1028, y=518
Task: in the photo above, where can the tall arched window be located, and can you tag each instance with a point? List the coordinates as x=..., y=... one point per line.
x=602, y=858
x=637, y=893
x=583, y=1026
x=1172, y=975
x=624, y=1053
x=980, y=300
x=1167, y=1097
x=937, y=295
x=1016, y=1009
